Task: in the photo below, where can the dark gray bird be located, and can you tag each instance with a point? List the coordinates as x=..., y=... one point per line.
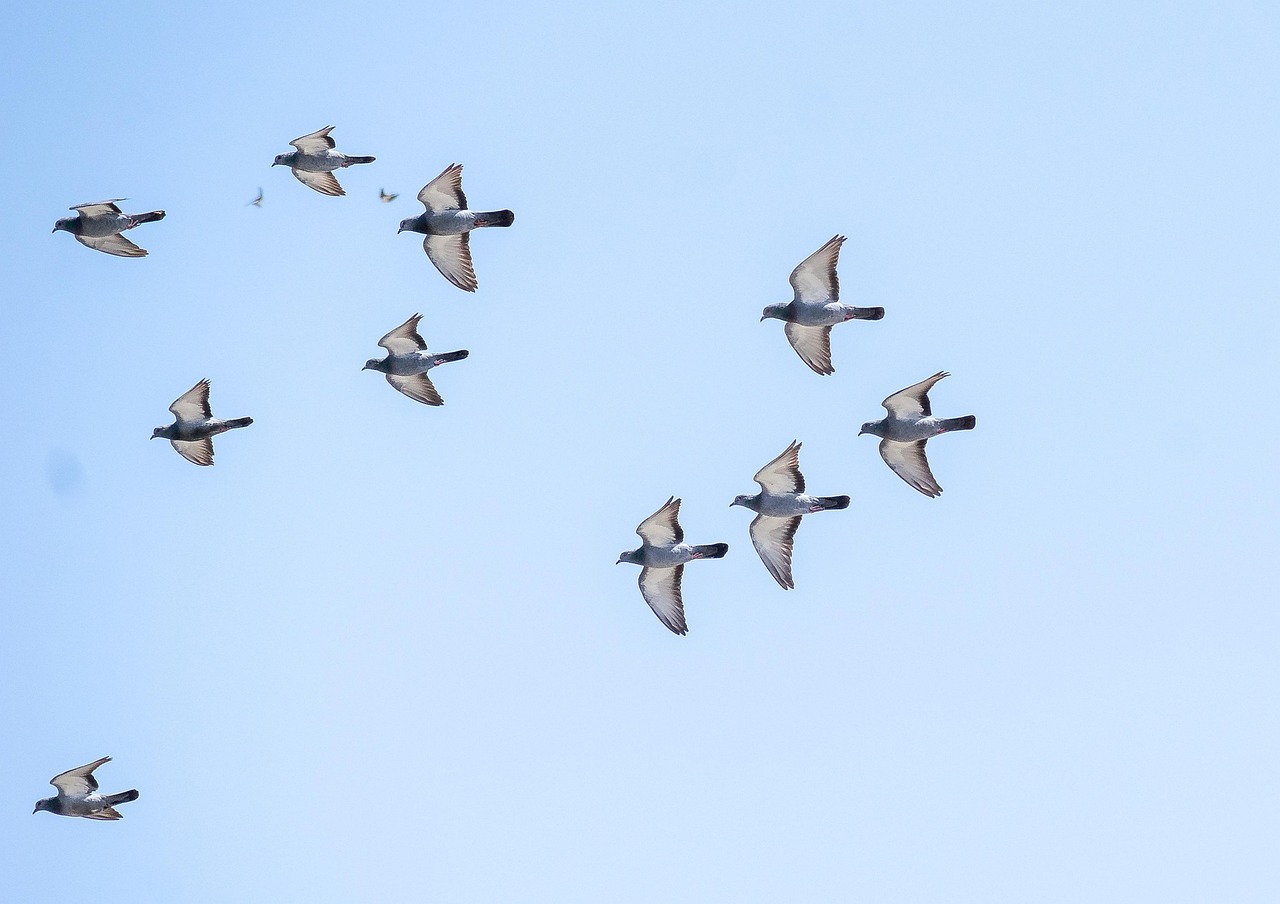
x=816, y=307
x=256, y=202
x=78, y=795
x=908, y=427
x=386, y=198
x=662, y=556
x=315, y=160
x=99, y=224
x=447, y=224
x=779, y=506
x=408, y=361
x=194, y=425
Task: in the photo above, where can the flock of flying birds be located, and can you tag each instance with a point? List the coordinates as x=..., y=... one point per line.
x=447, y=223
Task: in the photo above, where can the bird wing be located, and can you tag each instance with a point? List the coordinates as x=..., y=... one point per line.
x=112, y=244
x=417, y=387
x=444, y=192
x=662, y=528
x=314, y=142
x=382, y=195
x=256, y=202
x=325, y=183
x=782, y=475
x=404, y=339
x=813, y=345
x=660, y=588
x=913, y=402
x=452, y=256
x=193, y=404
x=815, y=279
x=98, y=208
x=79, y=781
x=105, y=813
x=908, y=462
x=773, y=538
x=196, y=451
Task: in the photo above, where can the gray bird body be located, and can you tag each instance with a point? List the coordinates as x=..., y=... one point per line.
x=194, y=425
x=662, y=555
x=98, y=225
x=315, y=160
x=447, y=224
x=908, y=426
x=779, y=506
x=816, y=307
x=78, y=795
x=408, y=361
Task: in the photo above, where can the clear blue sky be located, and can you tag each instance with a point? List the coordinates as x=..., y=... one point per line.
x=381, y=652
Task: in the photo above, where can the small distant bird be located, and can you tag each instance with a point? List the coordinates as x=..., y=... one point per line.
x=315, y=160
x=779, y=506
x=816, y=307
x=447, y=224
x=908, y=427
x=100, y=223
x=257, y=202
x=194, y=425
x=407, y=362
x=78, y=795
x=662, y=555
x=386, y=198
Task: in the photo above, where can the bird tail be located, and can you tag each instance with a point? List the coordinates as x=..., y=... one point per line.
x=238, y=422
x=968, y=422
x=495, y=218
x=122, y=798
x=453, y=356
x=868, y=314
x=351, y=160
x=712, y=550
x=149, y=217
x=834, y=502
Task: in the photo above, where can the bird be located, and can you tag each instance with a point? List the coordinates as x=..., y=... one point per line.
x=78, y=795
x=256, y=202
x=816, y=307
x=315, y=160
x=908, y=427
x=194, y=425
x=98, y=225
x=386, y=198
x=407, y=362
x=662, y=555
x=447, y=224
x=779, y=506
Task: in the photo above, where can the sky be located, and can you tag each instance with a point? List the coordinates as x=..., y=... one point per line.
x=381, y=652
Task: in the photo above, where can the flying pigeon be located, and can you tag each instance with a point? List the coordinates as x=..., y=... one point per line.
x=386, y=198
x=662, y=555
x=779, y=506
x=908, y=427
x=447, y=224
x=194, y=425
x=78, y=795
x=256, y=202
x=100, y=223
x=816, y=307
x=315, y=160
x=407, y=362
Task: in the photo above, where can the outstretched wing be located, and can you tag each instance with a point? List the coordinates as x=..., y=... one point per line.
x=196, y=451
x=452, y=256
x=417, y=387
x=813, y=345
x=773, y=539
x=782, y=475
x=404, y=339
x=444, y=192
x=325, y=183
x=908, y=462
x=660, y=588
x=662, y=528
x=79, y=781
x=193, y=405
x=315, y=142
x=112, y=244
x=913, y=402
x=98, y=208
x=815, y=279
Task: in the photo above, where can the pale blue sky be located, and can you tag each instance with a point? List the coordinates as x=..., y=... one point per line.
x=381, y=652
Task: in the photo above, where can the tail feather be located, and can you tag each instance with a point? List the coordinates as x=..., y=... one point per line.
x=149, y=217
x=239, y=422
x=351, y=160
x=868, y=313
x=453, y=356
x=968, y=422
x=713, y=550
x=834, y=502
x=495, y=218
x=122, y=798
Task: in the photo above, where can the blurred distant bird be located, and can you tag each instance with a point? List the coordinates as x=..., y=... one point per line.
x=816, y=307
x=662, y=556
x=407, y=362
x=447, y=224
x=100, y=223
x=315, y=160
x=908, y=427
x=386, y=198
x=256, y=202
x=194, y=425
x=779, y=506
x=78, y=795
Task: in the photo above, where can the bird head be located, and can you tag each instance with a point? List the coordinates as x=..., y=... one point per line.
x=281, y=160
x=776, y=311
x=46, y=804
x=159, y=432
x=405, y=224
x=64, y=223
x=739, y=500
x=631, y=555
x=870, y=427
x=371, y=364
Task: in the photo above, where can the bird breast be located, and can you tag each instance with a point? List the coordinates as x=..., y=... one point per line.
x=318, y=163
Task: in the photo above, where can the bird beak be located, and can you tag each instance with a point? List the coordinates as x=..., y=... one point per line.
x=762, y=318
x=54, y=229
x=400, y=230
x=619, y=562
x=275, y=162
x=152, y=436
